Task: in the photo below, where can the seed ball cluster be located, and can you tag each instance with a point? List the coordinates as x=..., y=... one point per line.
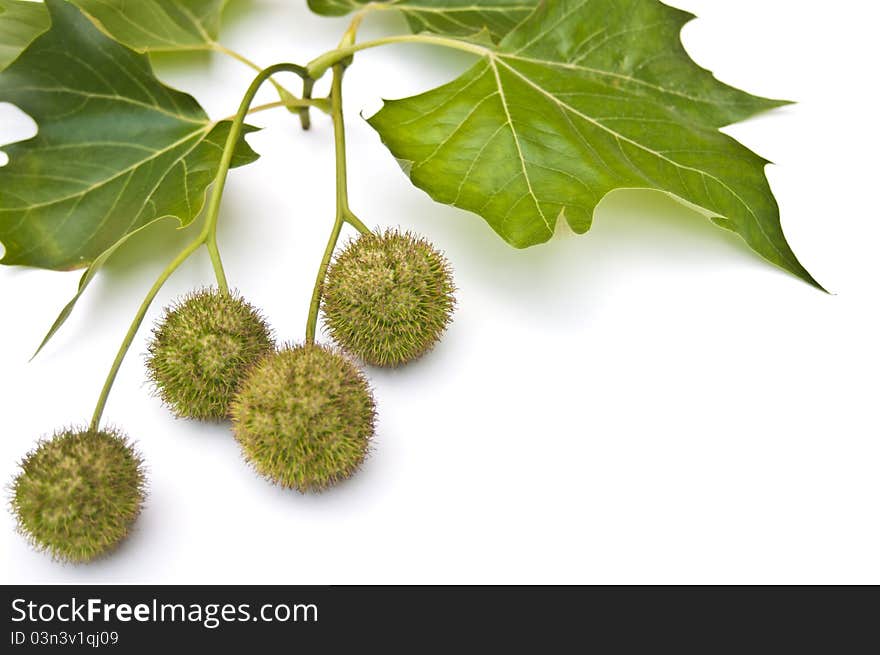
x=78, y=493
x=201, y=351
x=304, y=418
x=388, y=298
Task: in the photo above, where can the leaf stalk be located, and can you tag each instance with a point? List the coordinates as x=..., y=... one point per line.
x=282, y=91
x=319, y=66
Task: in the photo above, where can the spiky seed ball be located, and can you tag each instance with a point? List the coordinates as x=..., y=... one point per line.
x=388, y=298
x=202, y=349
x=78, y=493
x=304, y=418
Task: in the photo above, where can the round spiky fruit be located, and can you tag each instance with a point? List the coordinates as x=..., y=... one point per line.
x=78, y=493
x=304, y=417
x=202, y=350
x=388, y=298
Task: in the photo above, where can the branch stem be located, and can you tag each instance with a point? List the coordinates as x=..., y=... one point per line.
x=209, y=232
x=323, y=104
x=135, y=325
x=317, y=67
x=356, y=223
x=315, y=305
x=343, y=211
x=283, y=93
x=207, y=237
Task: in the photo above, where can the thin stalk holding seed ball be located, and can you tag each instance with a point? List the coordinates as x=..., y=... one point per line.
x=135, y=324
x=207, y=237
x=343, y=211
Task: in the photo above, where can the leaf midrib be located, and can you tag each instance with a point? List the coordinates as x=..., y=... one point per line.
x=620, y=137
x=519, y=150
x=129, y=172
x=620, y=76
x=494, y=58
x=110, y=96
x=97, y=185
x=172, y=45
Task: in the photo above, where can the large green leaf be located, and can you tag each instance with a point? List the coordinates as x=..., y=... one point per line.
x=585, y=97
x=116, y=150
x=158, y=25
x=455, y=17
x=20, y=23
x=164, y=26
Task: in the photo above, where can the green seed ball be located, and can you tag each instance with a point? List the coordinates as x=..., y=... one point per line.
x=202, y=350
x=78, y=493
x=304, y=418
x=388, y=298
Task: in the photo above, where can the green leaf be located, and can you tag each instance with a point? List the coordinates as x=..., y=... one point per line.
x=20, y=23
x=454, y=17
x=158, y=25
x=116, y=150
x=583, y=98
x=164, y=26
x=201, y=167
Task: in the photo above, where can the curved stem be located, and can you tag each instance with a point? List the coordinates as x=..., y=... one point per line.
x=356, y=223
x=135, y=325
x=343, y=212
x=207, y=237
x=317, y=67
x=315, y=305
x=318, y=103
x=209, y=233
x=283, y=93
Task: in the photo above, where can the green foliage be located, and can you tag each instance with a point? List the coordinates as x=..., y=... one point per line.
x=455, y=17
x=20, y=23
x=158, y=25
x=78, y=493
x=304, y=418
x=116, y=151
x=201, y=351
x=567, y=101
x=579, y=100
x=388, y=298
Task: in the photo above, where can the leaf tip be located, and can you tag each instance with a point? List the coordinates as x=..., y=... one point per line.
x=809, y=279
x=797, y=269
x=778, y=103
x=370, y=114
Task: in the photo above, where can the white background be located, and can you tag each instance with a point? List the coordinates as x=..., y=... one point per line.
x=648, y=403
